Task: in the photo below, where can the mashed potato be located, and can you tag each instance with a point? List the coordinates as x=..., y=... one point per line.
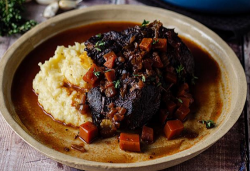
x=68, y=65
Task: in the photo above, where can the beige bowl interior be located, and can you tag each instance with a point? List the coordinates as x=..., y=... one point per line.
x=233, y=76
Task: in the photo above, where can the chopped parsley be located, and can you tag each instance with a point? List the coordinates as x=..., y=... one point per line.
x=144, y=23
x=97, y=73
x=107, y=70
x=209, y=123
x=143, y=78
x=158, y=84
x=179, y=69
x=179, y=100
x=155, y=41
x=99, y=35
x=98, y=45
x=117, y=83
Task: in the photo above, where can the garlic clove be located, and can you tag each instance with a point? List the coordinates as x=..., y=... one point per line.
x=68, y=5
x=51, y=10
x=45, y=2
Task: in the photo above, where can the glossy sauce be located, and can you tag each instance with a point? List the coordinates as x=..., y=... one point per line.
x=208, y=104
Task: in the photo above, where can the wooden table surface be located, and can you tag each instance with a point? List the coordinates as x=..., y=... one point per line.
x=230, y=153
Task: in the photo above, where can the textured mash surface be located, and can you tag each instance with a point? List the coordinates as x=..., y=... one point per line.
x=67, y=65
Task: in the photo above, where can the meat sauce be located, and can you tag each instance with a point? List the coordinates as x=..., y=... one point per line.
x=207, y=104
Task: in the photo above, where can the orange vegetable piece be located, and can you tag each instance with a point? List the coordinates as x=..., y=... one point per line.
x=110, y=62
x=184, y=101
x=110, y=75
x=109, y=55
x=171, y=106
x=173, y=128
x=130, y=142
x=147, y=134
x=183, y=88
x=182, y=112
x=160, y=44
x=90, y=77
x=88, y=132
x=146, y=44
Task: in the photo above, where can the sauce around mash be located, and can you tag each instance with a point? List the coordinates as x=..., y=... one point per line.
x=207, y=104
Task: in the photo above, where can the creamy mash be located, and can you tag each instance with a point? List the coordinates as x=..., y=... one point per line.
x=68, y=65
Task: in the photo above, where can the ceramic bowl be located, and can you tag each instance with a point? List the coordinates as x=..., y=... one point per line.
x=232, y=72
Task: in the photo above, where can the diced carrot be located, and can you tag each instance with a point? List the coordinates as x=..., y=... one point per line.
x=171, y=77
x=163, y=115
x=160, y=44
x=109, y=55
x=183, y=88
x=88, y=132
x=146, y=44
x=130, y=142
x=110, y=75
x=90, y=77
x=183, y=101
x=173, y=128
x=157, y=62
x=171, y=106
x=182, y=112
x=110, y=62
x=147, y=134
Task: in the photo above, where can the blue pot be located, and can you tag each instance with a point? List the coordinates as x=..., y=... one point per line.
x=214, y=6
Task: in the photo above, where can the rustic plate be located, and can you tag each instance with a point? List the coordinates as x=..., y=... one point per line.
x=232, y=72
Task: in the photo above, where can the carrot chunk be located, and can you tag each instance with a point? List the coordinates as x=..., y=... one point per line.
x=183, y=101
x=163, y=115
x=88, y=132
x=147, y=134
x=110, y=62
x=183, y=88
x=110, y=75
x=90, y=76
x=109, y=55
x=171, y=106
x=160, y=44
x=173, y=128
x=182, y=112
x=130, y=142
x=146, y=44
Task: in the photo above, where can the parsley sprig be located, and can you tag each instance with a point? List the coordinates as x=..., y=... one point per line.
x=117, y=83
x=144, y=23
x=155, y=41
x=11, y=20
x=98, y=45
x=209, y=123
x=97, y=73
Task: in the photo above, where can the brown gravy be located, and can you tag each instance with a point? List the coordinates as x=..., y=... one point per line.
x=60, y=137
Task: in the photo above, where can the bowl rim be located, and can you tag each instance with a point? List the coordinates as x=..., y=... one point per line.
x=156, y=163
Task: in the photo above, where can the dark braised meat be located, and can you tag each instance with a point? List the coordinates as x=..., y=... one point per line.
x=135, y=71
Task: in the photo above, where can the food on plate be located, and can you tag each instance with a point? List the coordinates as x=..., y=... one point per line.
x=124, y=79
x=66, y=137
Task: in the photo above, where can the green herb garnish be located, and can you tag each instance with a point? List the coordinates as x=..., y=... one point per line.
x=179, y=100
x=108, y=70
x=209, y=123
x=11, y=19
x=159, y=84
x=143, y=78
x=144, y=23
x=99, y=35
x=117, y=83
x=179, y=69
x=97, y=73
x=98, y=45
x=136, y=75
x=155, y=41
